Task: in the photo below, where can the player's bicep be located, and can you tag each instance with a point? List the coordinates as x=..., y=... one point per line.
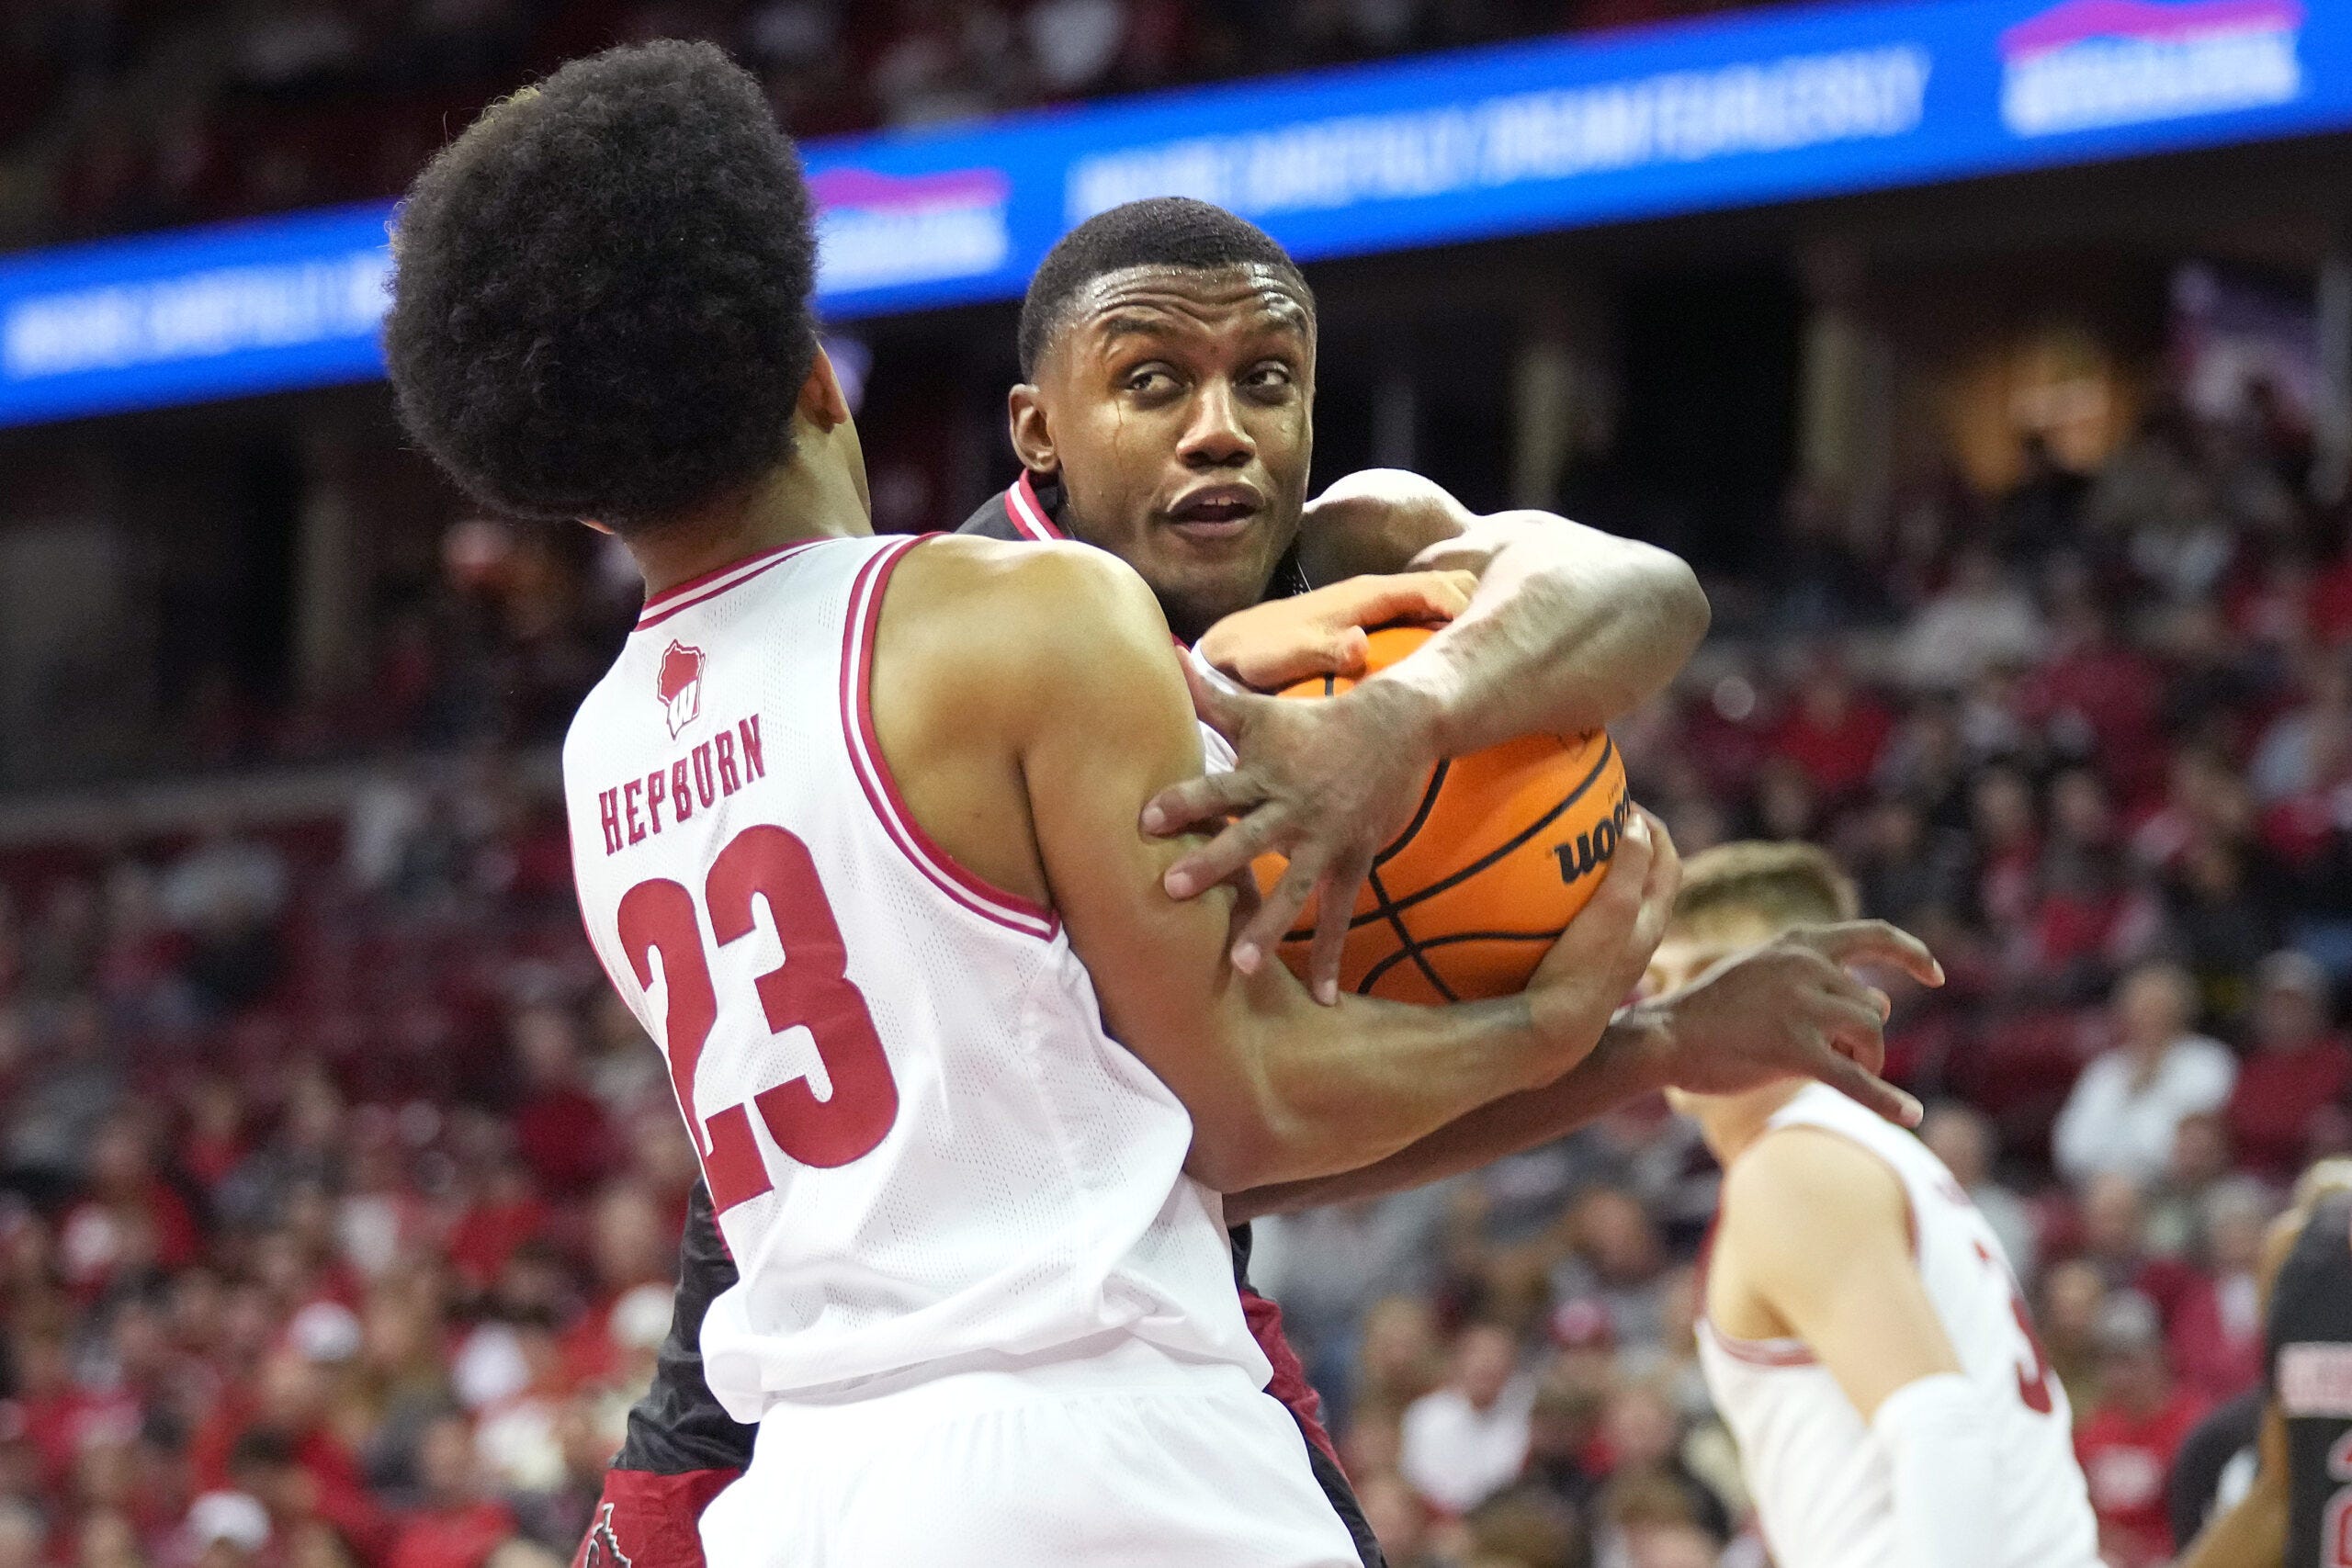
x=1376, y=522
x=1111, y=726
x=1823, y=1231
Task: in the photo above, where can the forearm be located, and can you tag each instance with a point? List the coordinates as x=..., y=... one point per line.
x=1332, y=1089
x=1628, y=1061
x=1568, y=629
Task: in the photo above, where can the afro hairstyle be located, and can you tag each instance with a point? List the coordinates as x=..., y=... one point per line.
x=601, y=294
x=1161, y=230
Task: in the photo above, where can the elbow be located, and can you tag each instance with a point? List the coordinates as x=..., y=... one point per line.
x=1230, y=1159
x=1262, y=1148
x=1682, y=610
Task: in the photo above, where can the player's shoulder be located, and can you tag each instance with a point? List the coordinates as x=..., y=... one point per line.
x=1825, y=1181
x=589, y=729
x=1025, y=606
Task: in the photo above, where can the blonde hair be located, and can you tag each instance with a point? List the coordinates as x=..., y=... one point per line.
x=1789, y=883
x=2332, y=1175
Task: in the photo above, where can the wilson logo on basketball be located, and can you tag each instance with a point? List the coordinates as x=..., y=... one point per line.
x=680, y=685
x=1593, y=847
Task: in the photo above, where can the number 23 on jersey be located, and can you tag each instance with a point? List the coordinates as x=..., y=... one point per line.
x=810, y=989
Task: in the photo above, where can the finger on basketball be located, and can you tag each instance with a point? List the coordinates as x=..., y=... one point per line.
x=1414, y=596
x=1666, y=861
x=1336, y=902
x=1658, y=888
x=1280, y=908
x=1877, y=944
x=1605, y=928
x=1347, y=653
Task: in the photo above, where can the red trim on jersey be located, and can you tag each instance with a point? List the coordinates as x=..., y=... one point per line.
x=709, y=586
x=1761, y=1352
x=1008, y=909
x=1754, y=1352
x=1028, y=516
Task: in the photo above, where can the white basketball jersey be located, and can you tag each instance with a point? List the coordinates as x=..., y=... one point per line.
x=922, y=1144
x=1824, y=1492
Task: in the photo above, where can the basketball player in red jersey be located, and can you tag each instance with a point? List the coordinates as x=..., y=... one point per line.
x=1170, y=424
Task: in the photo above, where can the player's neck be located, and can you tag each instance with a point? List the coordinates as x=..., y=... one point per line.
x=820, y=494
x=1730, y=1122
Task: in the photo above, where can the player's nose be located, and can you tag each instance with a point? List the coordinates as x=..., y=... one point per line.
x=1215, y=436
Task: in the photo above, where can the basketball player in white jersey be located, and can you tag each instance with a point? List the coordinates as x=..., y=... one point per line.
x=855, y=827
x=1862, y=1335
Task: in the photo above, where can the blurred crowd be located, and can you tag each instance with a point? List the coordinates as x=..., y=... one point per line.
x=340, y=1204
x=340, y=1194
x=121, y=115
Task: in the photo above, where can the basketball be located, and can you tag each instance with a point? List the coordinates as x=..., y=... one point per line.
x=1505, y=847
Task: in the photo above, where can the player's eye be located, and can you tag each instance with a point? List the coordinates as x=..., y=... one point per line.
x=1151, y=380
x=1269, y=378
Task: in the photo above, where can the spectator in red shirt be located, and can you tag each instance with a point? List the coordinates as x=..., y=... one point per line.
x=2299, y=1068
x=631, y=1250
x=129, y=1217
x=2008, y=849
x=2127, y=1440
x=1833, y=732
x=456, y=1526
x=2115, y=1241
x=214, y=1143
x=505, y=1211
x=2098, y=697
x=2205, y=802
x=559, y=1128
x=2216, y=1331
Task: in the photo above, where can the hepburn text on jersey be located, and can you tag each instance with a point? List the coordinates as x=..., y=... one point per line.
x=631, y=811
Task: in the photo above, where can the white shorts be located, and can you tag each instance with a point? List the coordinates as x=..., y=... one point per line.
x=1134, y=1461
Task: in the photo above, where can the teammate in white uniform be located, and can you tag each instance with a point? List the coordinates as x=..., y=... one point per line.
x=1863, y=1336
x=855, y=826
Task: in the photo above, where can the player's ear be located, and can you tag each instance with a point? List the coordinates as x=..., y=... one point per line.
x=822, y=401
x=1033, y=435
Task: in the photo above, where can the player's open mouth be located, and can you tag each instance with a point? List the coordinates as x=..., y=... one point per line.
x=1216, y=512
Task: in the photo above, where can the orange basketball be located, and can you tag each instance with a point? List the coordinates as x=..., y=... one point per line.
x=1505, y=847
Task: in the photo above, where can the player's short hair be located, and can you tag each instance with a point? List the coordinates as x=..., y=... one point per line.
x=1789, y=883
x=1161, y=230
x=601, y=298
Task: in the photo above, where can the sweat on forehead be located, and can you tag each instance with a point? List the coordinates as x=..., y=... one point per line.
x=1157, y=299
x=1167, y=234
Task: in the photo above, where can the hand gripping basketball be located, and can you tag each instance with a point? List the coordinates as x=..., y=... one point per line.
x=1325, y=784
x=1450, y=876
x=1588, y=973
